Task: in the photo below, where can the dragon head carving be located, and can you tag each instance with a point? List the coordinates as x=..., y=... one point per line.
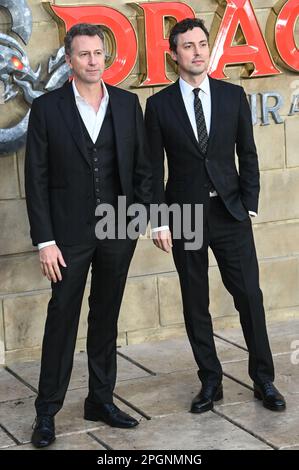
x=14, y=63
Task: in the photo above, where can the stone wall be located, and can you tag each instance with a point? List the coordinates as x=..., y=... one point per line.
x=152, y=305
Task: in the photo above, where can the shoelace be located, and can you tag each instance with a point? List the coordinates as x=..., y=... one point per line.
x=268, y=387
x=46, y=419
x=113, y=408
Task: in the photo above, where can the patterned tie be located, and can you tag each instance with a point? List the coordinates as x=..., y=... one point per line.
x=200, y=122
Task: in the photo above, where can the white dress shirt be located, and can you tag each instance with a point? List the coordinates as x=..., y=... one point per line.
x=92, y=120
x=205, y=98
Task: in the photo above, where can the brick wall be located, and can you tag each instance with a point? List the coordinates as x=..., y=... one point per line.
x=152, y=306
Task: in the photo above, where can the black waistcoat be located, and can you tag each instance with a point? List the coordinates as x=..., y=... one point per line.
x=103, y=160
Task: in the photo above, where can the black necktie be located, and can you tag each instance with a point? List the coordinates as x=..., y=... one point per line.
x=200, y=122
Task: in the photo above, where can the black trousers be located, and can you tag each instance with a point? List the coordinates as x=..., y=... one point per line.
x=110, y=260
x=233, y=246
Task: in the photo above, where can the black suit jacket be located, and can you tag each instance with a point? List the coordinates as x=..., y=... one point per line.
x=58, y=174
x=168, y=127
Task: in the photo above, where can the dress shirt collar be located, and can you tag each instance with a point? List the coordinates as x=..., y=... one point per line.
x=187, y=89
x=79, y=98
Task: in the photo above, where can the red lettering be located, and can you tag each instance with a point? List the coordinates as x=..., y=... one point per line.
x=284, y=34
x=155, y=42
x=240, y=13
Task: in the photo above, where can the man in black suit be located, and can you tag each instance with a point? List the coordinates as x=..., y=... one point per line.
x=200, y=122
x=85, y=146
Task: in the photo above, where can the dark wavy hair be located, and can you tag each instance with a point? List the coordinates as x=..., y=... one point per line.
x=81, y=29
x=183, y=26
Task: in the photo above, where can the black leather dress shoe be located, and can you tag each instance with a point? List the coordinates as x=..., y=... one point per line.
x=272, y=399
x=44, y=431
x=204, y=400
x=109, y=414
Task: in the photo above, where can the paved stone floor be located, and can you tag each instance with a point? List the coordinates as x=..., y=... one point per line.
x=156, y=383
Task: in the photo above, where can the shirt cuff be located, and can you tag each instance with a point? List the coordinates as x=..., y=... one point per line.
x=44, y=244
x=159, y=229
x=252, y=213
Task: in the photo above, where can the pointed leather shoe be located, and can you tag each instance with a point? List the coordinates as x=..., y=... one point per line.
x=271, y=397
x=204, y=400
x=109, y=414
x=44, y=431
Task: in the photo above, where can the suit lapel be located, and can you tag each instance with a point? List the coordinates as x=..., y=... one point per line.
x=119, y=118
x=70, y=113
x=179, y=109
x=215, y=98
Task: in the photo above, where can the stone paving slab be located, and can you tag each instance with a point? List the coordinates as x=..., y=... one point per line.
x=5, y=440
x=181, y=431
x=176, y=354
x=18, y=416
x=234, y=335
x=11, y=388
x=29, y=371
x=78, y=441
x=228, y=352
x=281, y=335
x=166, y=398
x=286, y=373
x=173, y=393
x=279, y=429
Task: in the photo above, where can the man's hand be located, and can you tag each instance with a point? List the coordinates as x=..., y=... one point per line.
x=162, y=240
x=50, y=257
